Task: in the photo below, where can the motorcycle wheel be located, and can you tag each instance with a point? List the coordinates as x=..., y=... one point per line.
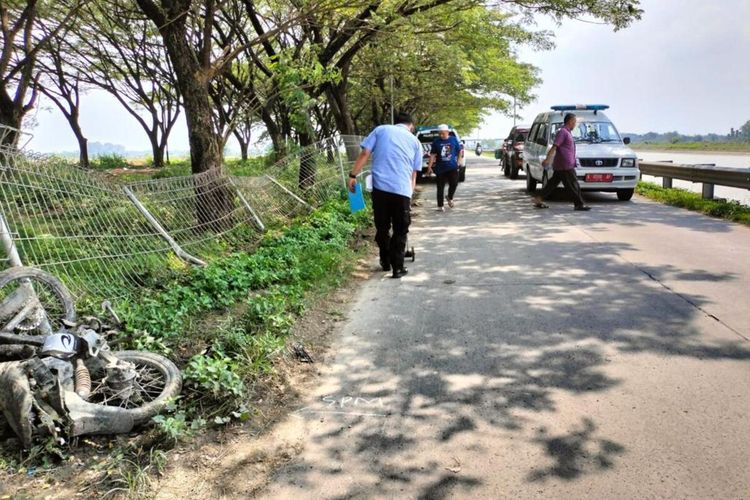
x=157, y=381
x=55, y=302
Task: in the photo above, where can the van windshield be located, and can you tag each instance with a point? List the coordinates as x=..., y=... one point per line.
x=591, y=132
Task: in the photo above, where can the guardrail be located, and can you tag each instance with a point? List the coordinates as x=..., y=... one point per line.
x=709, y=175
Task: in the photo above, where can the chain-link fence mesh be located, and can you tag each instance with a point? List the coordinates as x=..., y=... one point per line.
x=103, y=237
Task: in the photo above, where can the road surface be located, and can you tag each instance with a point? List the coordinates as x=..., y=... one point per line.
x=540, y=354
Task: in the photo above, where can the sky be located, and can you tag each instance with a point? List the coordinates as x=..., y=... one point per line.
x=685, y=66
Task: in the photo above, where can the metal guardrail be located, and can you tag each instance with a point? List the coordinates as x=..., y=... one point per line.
x=709, y=175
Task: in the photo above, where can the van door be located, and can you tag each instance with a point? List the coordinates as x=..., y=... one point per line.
x=530, y=148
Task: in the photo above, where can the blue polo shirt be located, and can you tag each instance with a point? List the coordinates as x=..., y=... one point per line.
x=396, y=153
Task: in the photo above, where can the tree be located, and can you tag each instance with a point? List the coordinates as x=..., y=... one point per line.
x=124, y=55
x=434, y=83
x=63, y=84
x=744, y=132
x=21, y=24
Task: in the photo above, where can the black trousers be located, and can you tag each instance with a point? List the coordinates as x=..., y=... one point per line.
x=451, y=177
x=570, y=182
x=391, y=210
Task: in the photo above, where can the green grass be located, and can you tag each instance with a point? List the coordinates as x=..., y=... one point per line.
x=734, y=147
x=728, y=210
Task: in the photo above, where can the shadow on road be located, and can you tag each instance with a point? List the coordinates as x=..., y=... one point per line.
x=532, y=314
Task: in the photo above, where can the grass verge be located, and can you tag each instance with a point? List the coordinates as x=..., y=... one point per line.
x=226, y=325
x=723, y=209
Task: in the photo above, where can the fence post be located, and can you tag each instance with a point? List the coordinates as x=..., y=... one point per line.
x=341, y=165
x=708, y=191
x=666, y=182
x=10, y=246
x=287, y=191
x=244, y=201
x=163, y=232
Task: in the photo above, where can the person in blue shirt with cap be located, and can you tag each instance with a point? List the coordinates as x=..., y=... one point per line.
x=445, y=155
x=396, y=159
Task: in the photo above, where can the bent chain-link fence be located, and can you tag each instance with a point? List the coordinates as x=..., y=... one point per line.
x=103, y=237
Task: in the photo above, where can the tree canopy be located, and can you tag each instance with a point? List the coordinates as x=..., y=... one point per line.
x=299, y=69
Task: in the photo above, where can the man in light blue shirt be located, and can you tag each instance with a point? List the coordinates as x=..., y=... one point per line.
x=396, y=159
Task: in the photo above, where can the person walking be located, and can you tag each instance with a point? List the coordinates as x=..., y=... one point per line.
x=396, y=159
x=445, y=155
x=564, y=166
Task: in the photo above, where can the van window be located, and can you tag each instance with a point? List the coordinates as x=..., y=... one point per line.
x=532, y=133
x=541, y=135
x=592, y=131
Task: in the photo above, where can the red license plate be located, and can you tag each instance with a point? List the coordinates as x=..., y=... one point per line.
x=599, y=178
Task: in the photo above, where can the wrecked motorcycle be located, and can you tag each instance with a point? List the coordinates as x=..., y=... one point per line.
x=59, y=377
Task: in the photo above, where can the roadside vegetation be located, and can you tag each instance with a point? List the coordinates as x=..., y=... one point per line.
x=729, y=210
x=226, y=325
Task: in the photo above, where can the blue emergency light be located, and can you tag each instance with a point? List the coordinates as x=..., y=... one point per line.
x=586, y=107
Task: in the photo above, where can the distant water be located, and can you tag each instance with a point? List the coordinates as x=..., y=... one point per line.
x=732, y=160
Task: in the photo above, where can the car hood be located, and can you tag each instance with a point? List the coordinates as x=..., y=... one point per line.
x=603, y=150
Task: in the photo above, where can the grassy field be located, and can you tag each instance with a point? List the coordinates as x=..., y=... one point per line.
x=728, y=210
x=729, y=147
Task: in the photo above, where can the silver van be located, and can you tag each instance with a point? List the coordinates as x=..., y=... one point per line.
x=604, y=162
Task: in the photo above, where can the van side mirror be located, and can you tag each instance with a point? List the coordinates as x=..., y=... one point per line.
x=626, y=140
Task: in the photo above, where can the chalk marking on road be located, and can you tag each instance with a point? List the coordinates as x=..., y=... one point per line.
x=308, y=410
x=337, y=405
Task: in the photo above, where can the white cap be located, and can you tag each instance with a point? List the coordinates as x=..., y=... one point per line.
x=442, y=127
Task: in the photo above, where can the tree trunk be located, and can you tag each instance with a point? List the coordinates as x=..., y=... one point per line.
x=244, y=146
x=157, y=151
x=205, y=149
x=83, y=152
x=214, y=200
x=9, y=117
x=279, y=148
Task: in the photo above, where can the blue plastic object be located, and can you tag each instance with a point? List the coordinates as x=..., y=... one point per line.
x=582, y=107
x=356, y=199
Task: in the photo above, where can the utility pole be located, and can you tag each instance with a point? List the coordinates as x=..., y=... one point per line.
x=392, y=116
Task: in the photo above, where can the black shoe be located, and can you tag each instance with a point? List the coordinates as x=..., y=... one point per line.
x=385, y=265
x=398, y=273
x=582, y=208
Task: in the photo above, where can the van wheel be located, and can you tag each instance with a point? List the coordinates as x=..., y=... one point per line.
x=514, y=170
x=624, y=194
x=506, y=167
x=530, y=181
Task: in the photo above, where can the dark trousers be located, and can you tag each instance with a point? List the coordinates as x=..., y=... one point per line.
x=451, y=177
x=570, y=182
x=391, y=210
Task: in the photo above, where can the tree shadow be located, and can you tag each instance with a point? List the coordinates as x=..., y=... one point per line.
x=504, y=312
x=575, y=453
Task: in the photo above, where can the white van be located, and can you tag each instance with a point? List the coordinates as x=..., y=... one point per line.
x=604, y=162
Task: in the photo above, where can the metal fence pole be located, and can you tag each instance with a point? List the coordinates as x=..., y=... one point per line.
x=287, y=191
x=8, y=244
x=244, y=201
x=341, y=166
x=163, y=232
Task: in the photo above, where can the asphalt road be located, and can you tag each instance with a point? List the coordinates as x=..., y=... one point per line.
x=540, y=354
